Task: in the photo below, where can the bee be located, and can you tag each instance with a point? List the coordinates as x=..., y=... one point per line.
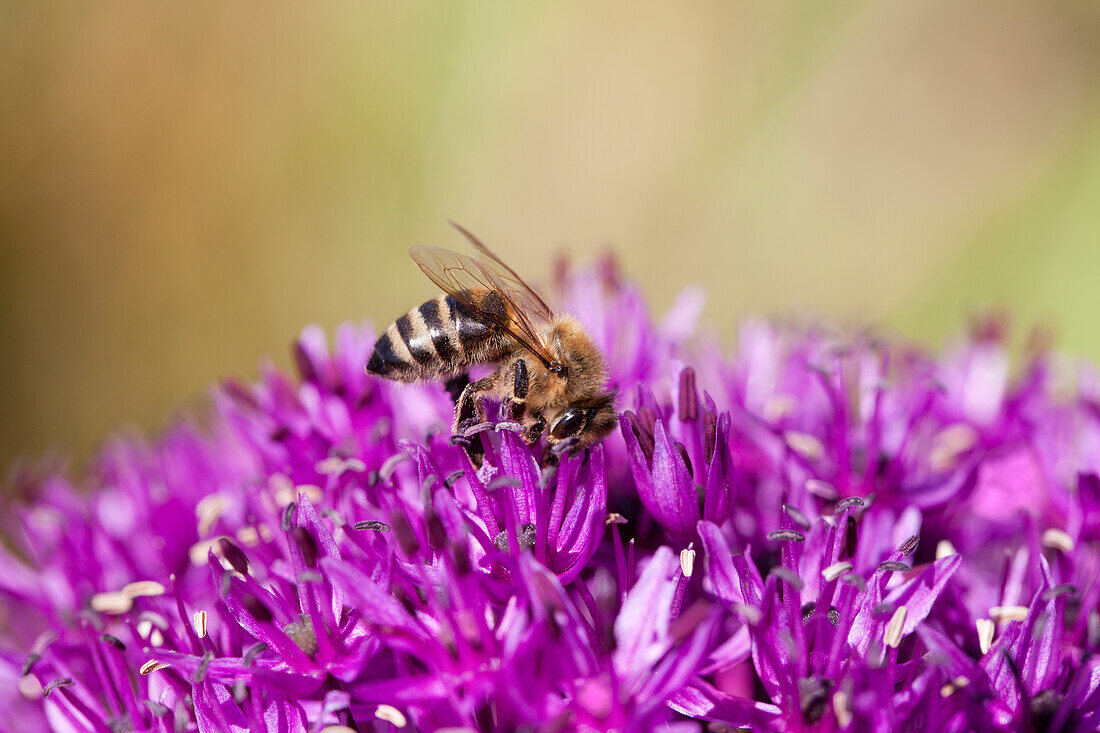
x=548, y=373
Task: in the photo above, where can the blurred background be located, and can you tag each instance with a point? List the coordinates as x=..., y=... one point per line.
x=184, y=186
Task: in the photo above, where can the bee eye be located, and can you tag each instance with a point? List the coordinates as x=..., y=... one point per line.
x=570, y=423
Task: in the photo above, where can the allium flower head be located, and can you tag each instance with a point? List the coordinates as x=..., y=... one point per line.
x=823, y=530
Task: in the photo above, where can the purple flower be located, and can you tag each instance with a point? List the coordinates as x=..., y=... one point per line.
x=823, y=531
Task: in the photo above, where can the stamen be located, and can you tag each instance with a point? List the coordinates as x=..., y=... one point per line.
x=835, y=570
x=114, y=602
x=687, y=461
x=209, y=510
x=950, y=688
x=821, y=489
x=951, y=443
x=910, y=545
x=892, y=637
x=842, y=708
x=689, y=398
x=113, y=641
x=786, y=535
x=1057, y=539
x=1065, y=589
x=151, y=666
x=204, y=664
x=256, y=608
x=944, y=548
x=287, y=520
x=28, y=663
x=710, y=435
x=143, y=588
x=233, y=555
x=813, y=697
x=199, y=620
x=614, y=518
x=893, y=566
x=687, y=560
x=797, y=517
x=306, y=545
x=1008, y=613
x=804, y=444
x=63, y=682
x=778, y=406
x=373, y=525
x=452, y=477
x=787, y=576
x=390, y=465
x=986, y=628
x=847, y=503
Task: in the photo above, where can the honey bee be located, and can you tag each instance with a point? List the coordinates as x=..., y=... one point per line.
x=548, y=372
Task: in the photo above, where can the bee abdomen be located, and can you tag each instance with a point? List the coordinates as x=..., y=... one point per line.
x=429, y=341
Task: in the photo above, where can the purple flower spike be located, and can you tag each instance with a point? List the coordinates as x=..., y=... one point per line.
x=824, y=532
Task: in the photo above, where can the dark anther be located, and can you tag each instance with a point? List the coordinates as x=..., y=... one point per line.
x=501, y=482
x=851, y=501
x=158, y=709
x=306, y=544
x=287, y=520
x=403, y=531
x=850, y=537
x=910, y=545
x=226, y=582
x=1059, y=590
x=684, y=455
x=437, y=533
x=301, y=633
x=786, y=535
x=280, y=433
x=710, y=435
x=787, y=576
x=63, y=682
x=461, y=559
x=526, y=538
x=813, y=697
x=893, y=566
x=28, y=663
x=1044, y=706
x=234, y=555
x=797, y=517
x=372, y=477
x=255, y=608
x=252, y=652
x=853, y=579
x=643, y=436
x=426, y=485
x=204, y=664
x=808, y=609
x=833, y=615
x=374, y=525
x=452, y=477
x=113, y=641
x=689, y=398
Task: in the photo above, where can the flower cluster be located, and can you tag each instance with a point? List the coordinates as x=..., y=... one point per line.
x=823, y=530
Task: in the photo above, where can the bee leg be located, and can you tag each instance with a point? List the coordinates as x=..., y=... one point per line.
x=534, y=430
x=469, y=403
x=456, y=385
x=519, y=391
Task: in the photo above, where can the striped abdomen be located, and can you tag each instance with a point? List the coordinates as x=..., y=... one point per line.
x=436, y=339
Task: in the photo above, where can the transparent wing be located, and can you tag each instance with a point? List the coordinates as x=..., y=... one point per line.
x=469, y=279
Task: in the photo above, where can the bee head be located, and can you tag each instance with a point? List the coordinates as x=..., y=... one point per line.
x=586, y=422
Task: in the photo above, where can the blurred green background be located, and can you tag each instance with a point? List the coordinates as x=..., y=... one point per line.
x=184, y=186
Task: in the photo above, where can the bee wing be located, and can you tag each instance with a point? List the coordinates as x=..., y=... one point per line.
x=464, y=277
